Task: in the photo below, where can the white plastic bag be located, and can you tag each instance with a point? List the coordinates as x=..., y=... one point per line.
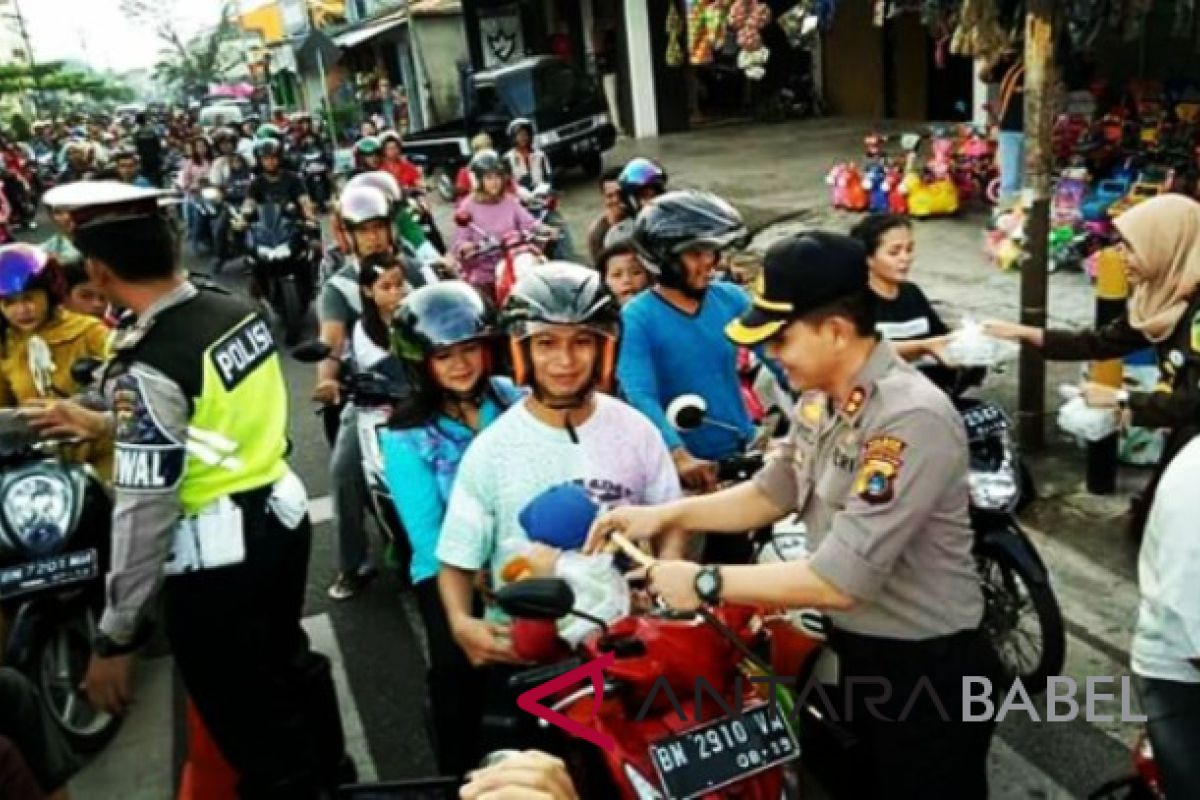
x=969, y=346
x=1077, y=418
x=600, y=590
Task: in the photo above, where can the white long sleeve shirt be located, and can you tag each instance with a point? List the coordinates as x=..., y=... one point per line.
x=1167, y=636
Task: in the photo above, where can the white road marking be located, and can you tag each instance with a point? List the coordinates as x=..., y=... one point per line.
x=324, y=641
x=320, y=509
x=1098, y=599
x=139, y=762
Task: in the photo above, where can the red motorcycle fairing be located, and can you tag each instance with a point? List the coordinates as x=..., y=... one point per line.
x=681, y=652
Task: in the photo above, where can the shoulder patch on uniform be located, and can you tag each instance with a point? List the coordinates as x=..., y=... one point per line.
x=243, y=349
x=147, y=457
x=882, y=457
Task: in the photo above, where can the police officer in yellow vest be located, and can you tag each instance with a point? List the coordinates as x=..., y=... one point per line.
x=876, y=469
x=206, y=506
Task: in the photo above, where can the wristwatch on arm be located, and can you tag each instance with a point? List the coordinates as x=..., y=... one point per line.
x=708, y=585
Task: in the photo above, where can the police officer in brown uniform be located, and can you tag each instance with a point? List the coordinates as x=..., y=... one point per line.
x=876, y=467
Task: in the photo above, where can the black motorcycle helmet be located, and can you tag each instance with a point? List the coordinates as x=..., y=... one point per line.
x=562, y=293
x=438, y=316
x=486, y=161
x=225, y=134
x=267, y=147
x=638, y=175
x=679, y=221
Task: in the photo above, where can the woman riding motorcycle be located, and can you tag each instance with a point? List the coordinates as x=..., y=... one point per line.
x=494, y=213
x=445, y=336
x=40, y=340
x=406, y=173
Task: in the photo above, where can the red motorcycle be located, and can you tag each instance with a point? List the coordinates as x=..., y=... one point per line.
x=515, y=254
x=1143, y=784
x=659, y=742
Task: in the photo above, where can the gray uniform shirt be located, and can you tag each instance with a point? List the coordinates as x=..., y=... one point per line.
x=152, y=416
x=881, y=484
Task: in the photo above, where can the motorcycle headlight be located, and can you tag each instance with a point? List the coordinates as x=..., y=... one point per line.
x=996, y=490
x=264, y=251
x=37, y=510
x=645, y=790
x=211, y=194
x=282, y=251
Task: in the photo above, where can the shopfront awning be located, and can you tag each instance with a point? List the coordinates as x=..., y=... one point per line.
x=356, y=36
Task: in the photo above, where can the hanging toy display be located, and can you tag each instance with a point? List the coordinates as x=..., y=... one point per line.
x=706, y=28
x=795, y=25
x=674, y=54
x=748, y=18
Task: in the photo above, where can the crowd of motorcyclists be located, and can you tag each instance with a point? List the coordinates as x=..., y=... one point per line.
x=511, y=377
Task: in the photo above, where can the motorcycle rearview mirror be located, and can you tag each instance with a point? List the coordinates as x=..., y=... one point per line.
x=687, y=412
x=312, y=352
x=462, y=218
x=83, y=371
x=537, y=598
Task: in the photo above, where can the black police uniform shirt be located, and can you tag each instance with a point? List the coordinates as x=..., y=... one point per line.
x=287, y=188
x=908, y=315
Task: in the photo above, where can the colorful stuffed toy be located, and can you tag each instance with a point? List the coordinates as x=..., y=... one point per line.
x=877, y=184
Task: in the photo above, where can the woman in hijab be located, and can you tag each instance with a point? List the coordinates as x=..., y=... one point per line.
x=1160, y=243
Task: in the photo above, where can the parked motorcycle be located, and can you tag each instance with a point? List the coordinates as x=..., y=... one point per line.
x=708, y=754
x=374, y=395
x=55, y=523
x=283, y=259
x=1022, y=615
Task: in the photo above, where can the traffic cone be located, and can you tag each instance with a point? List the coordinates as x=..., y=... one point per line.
x=206, y=773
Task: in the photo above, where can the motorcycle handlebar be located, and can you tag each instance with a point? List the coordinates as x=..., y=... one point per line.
x=739, y=468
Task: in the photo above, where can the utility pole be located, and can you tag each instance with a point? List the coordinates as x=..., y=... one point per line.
x=1039, y=83
x=37, y=79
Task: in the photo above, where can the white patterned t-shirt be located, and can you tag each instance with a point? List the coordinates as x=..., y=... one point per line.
x=620, y=460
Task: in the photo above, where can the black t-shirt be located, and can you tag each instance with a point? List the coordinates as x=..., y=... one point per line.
x=287, y=188
x=909, y=315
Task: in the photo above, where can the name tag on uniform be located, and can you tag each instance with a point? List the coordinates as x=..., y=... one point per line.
x=242, y=350
x=213, y=538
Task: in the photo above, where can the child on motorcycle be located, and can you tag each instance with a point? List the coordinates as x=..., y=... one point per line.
x=443, y=334
x=84, y=297
x=624, y=273
x=382, y=285
x=40, y=339
x=494, y=213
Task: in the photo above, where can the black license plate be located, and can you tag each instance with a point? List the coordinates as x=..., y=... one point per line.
x=47, y=572
x=719, y=753
x=984, y=421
